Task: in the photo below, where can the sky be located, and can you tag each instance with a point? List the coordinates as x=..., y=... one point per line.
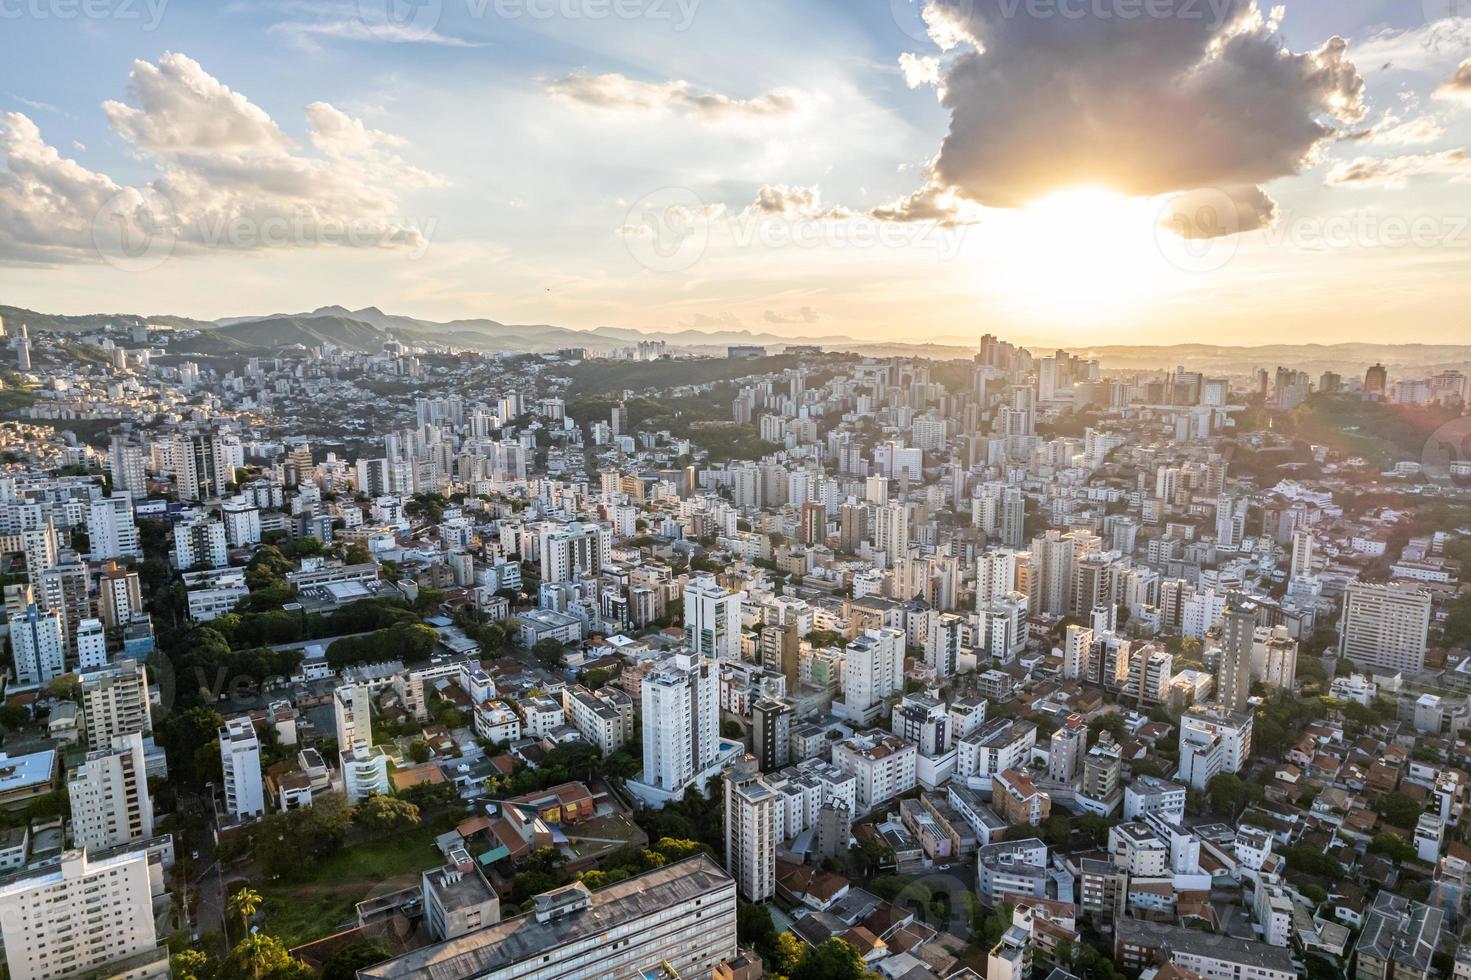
x=1053, y=171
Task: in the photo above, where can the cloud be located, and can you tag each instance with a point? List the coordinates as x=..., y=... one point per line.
x=919, y=70
x=1416, y=132
x=805, y=314
x=1457, y=88
x=1396, y=172
x=227, y=176
x=932, y=202
x=1218, y=213
x=619, y=93
x=363, y=22
x=1146, y=106
x=781, y=201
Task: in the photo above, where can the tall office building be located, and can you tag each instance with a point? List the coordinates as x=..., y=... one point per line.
x=115, y=703
x=1384, y=627
x=712, y=619
x=38, y=645
x=1238, y=636
x=681, y=720
x=109, y=796
x=240, y=758
x=752, y=817
x=83, y=916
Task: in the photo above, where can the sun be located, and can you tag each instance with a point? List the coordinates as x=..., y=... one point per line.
x=1082, y=254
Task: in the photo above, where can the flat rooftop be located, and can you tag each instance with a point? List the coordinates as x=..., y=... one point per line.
x=513, y=940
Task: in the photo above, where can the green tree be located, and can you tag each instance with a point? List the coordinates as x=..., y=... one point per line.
x=833, y=960
x=382, y=815
x=549, y=652
x=1399, y=810
x=191, y=964
x=244, y=903
x=419, y=751
x=1393, y=846
x=595, y=678
x=347, y=961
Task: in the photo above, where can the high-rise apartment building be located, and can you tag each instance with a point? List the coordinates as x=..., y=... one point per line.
x=752, y=822
x=109, y=796
x=712, y=619
x=240, y=758
x=1384, y=627
x=681, y=720
x=115, y=702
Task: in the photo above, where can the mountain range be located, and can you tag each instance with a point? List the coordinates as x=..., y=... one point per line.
x=367, y=329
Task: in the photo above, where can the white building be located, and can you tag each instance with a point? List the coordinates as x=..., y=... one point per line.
x=245, y=796
x=604, y=718
x=873, y=669
x=1148, y=796
x=352, y=713
x=1212, y=742
x=364, y=771
x=1384, y=627
x=111, y=531
x=200, y=541
x=83, y=917
x=569, y=551
x=38, y=643
x=115, y=702
x=679, y=919
x=109, y=796
x=681, y=721
x=91, y=645
x=883, y=766
x=712, y=619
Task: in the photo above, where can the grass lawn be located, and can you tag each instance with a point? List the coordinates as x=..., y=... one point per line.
x=301, y=911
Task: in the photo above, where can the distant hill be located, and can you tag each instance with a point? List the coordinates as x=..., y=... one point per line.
x=14, y=316
x=287, y=331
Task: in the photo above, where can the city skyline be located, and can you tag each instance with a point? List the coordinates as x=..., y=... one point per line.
x=667, y=166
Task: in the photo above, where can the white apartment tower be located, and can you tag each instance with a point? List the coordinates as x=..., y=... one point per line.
x=38, y=642
x=240, y=757
x=77, y=916
x=712, y=619
x=109, y=796
x=115, y=702
x=681, y=719
x=1384, y=627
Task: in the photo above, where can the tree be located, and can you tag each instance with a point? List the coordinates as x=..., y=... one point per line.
x=1399, y=810
x=595, y=678
x=345, y=963
x=1394, y=847
x=383, y=815
x=1227, y=794
x=244, y=903
x=549, y=652
x=191, y=964
x=419, y=751
x=358, y=554
x=755, y=929
x=14, y=716
x=263, y=957
x=833, y=960
x=789, y=952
